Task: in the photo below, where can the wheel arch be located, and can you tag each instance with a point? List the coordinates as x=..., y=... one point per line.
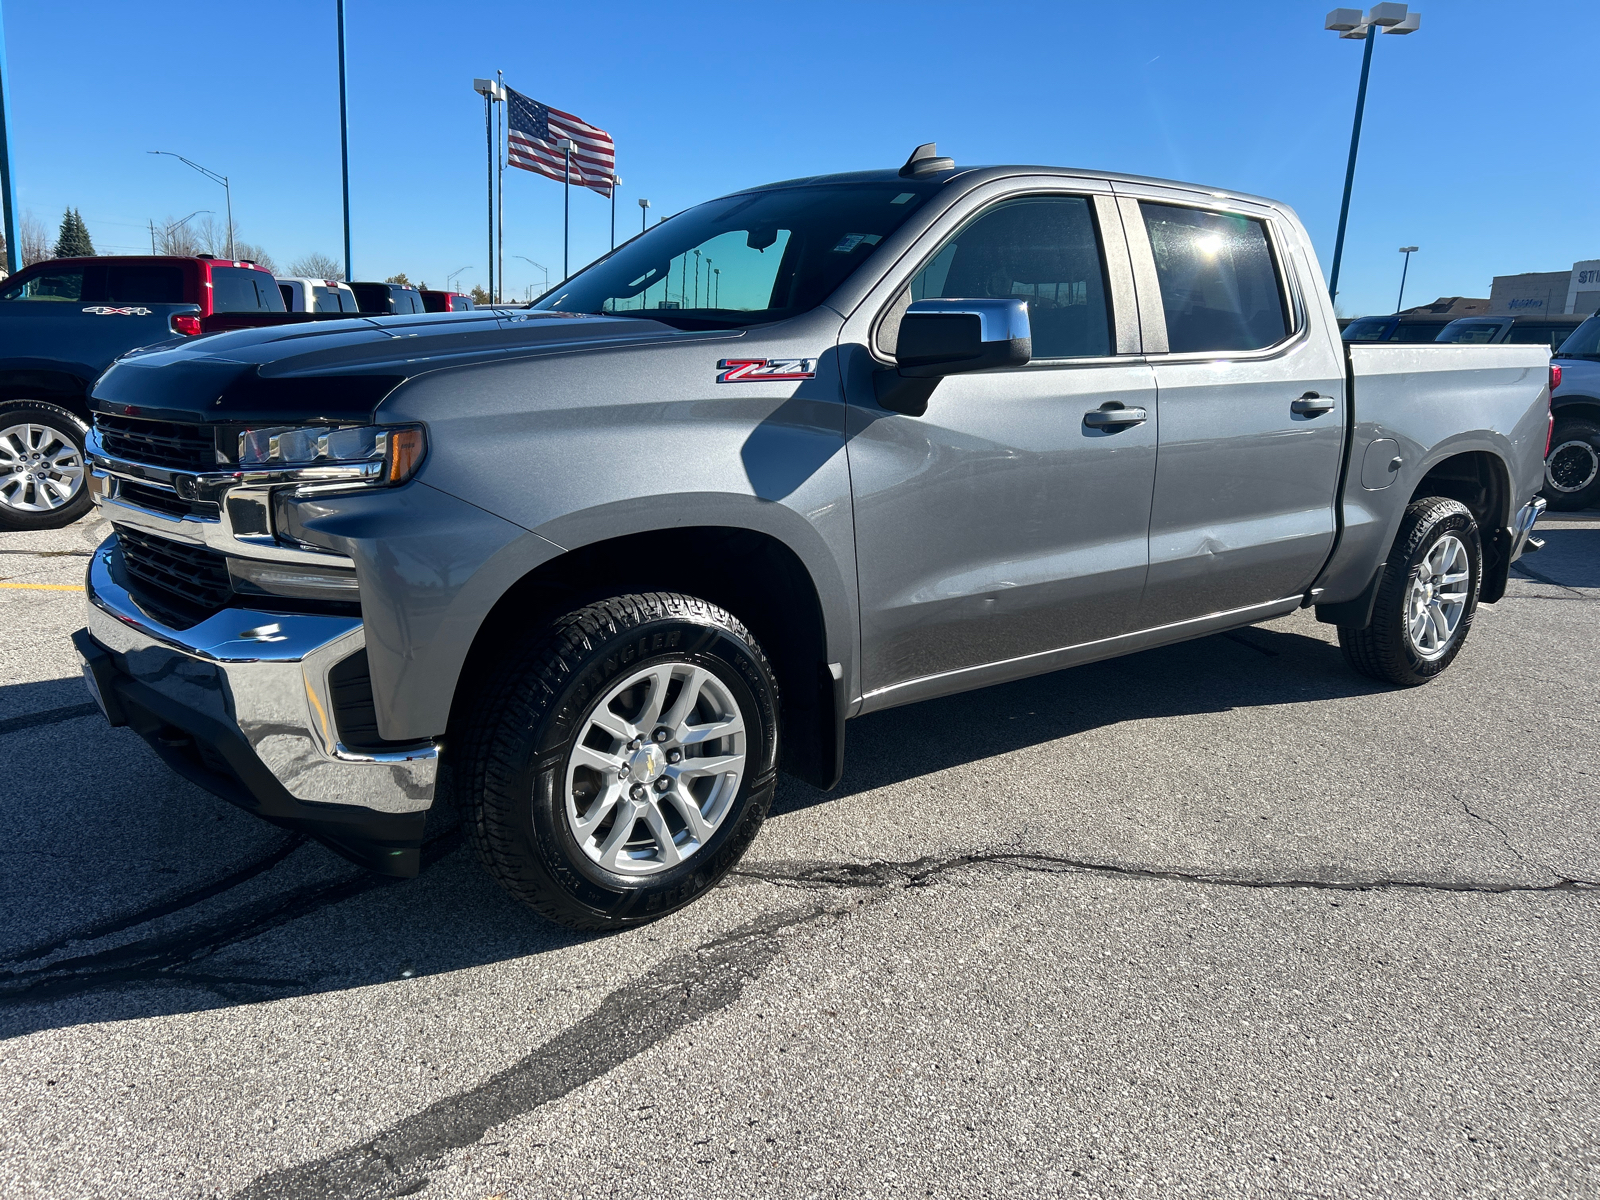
x=1587, y=407
x=63, y=388
x=1481, y=480
x=754, y=574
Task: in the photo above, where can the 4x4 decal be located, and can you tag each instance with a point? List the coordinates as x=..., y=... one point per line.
x=104, y=310
x=756, y=370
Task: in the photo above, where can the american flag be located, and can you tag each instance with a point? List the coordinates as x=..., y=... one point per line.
x=534, y=130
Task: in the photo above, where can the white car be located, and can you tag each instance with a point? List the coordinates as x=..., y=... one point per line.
x=317, y=295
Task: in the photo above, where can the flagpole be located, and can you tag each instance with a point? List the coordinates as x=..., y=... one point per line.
x=565, y=144
x=344, y=146
x=500, y=143
x=616, y=182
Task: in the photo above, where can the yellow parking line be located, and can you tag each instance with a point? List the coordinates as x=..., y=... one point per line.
x=45, y=587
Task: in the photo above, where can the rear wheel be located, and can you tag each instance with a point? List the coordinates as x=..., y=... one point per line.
x=1572, y=468
x=43, y=471
x=1426, y=599
x=620, y=764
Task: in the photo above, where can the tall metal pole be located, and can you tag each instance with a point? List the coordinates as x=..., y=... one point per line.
x=1350, y=168
x=8, y=191
x=344, y=146
x=229, y=192
x=500, y=186
x=566, y=216
x=615, y=181
x=1401, y=301
x=488, y=137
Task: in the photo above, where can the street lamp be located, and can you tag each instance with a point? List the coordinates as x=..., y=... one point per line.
x=644, y=213
x=215, y=178
x=166, y=230
x=1348, y=23
x=492, y=94
x=449, y=280
x=717, y=303
x=1408, y=251
x=539, y=266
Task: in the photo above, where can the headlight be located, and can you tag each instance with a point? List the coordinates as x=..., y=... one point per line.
x=391, y=454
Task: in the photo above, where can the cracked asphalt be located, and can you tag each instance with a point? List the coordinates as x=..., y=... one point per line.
x=1216, y=920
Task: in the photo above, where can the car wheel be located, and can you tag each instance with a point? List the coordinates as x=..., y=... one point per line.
x=1572, y=468
x=619, y=764
x=43, y=467
x=1426, y=599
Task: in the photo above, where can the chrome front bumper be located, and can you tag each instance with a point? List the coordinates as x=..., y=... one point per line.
x=251, y=685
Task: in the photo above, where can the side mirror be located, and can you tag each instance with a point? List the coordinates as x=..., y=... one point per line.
x=950, y=337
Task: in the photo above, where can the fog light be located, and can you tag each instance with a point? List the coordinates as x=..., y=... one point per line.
x=253, y=577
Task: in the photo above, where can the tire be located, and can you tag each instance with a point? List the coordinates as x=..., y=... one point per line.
x=564, y=801
x=1572, y=468
x=44, y=472
x=1419, y=623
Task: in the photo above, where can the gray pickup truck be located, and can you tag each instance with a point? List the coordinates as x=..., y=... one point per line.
x=589, y=574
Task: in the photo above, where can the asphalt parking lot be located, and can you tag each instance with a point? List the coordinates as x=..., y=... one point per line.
x=1222, y=919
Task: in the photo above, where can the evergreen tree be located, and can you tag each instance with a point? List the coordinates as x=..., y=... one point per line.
x=73, y=240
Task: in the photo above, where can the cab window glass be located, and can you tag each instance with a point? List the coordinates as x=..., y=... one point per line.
x=1479, y=333
x=1219, y=285
x=66, y=284
x=1419, y=331
x=151, y=283
x=1042, y=250
x=1538, y=335
x=328, y=299
x=241, y=289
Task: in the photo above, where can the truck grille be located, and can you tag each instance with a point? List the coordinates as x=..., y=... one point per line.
x=171, y=444
x=162, y=501
x=186, y=583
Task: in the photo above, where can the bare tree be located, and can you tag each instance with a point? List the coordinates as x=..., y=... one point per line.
x=35, y=240
x=256, y=254
x=176, y=238
x=315, y=266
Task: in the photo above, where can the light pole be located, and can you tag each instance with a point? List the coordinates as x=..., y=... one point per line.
x=344, y=146
x=644, y=213
x=8, y=192
x=717, y=303
x=1351, y=25
x=565, y=146
x=215, y=178
x=538, y=266
x=167, y=229
x=449, y=280
x=1408, y=251
x=491, y=92
x=616, y=182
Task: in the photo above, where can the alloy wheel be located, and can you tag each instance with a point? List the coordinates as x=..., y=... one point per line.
x=41, y=469
x=1438, y=597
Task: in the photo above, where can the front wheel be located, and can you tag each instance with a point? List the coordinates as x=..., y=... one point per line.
x=43, y=477
x=1426, y=597
x=1572, y=468
x=619, y=764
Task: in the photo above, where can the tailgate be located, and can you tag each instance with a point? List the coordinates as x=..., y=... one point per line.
x=82, y=338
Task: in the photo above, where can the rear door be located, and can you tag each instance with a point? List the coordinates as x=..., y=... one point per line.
x=1252, y=409
x=1000, y=525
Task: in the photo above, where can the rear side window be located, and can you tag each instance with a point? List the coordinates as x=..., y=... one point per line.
x=408, y=302
x=1042, y=250
x=332, y=299
x=1219, y=285
x=1539, y=335
x=1584, y=340
x=1420, y=331
x=151, y=283
x=460, y=303
x=1367, y=329
x=241, y=289
x=64, y=284
x=1470, y=332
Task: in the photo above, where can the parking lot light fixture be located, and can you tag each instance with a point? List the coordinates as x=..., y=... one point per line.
x=644, y=213
x=1408, y=251
x=1352, y=24
x=215, y=178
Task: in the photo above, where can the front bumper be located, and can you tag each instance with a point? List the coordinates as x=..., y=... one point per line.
x=242, y=705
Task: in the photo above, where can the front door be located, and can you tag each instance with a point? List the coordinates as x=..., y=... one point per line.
x=1000, y=524
x=1252, y=418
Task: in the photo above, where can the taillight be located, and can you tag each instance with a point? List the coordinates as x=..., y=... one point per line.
x=1550, y=425
x=1555, y=377
x=186, y=326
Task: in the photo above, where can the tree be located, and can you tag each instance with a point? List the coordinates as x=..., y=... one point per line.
x=73, y=240
x=177, y=238
x=256, y=254
x=35, y=240
x=400, y=279
x=315, y=266
x=479, y=296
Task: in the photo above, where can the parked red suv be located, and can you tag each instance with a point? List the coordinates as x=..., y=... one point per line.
x=438, y=301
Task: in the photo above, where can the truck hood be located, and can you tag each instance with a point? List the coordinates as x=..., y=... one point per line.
x=342, y=370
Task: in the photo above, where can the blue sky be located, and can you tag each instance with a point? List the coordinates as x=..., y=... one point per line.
x=1473, y=147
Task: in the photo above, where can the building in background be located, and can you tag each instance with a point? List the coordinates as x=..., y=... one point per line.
x=1450, y=306
x=1546, y=293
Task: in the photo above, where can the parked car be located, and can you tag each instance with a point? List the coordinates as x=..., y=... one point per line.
x=1572, y=468
x=435, y=301
x=615, y=560
x=1395, y=328
x=1549, y=330
x=317, y=295
x=388, y=299
x=62, y=322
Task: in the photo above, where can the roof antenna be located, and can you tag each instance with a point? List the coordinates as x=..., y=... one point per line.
x=925, y=160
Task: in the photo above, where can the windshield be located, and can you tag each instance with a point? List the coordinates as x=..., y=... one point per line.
x=746, y=259
x=1477, y=332
x=1367, y=329
x=1584, y=342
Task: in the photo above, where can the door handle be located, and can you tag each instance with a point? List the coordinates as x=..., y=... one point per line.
x=1312, y=405
x=1102, y=418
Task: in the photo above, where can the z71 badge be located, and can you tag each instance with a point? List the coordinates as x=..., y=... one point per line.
x=757, y=370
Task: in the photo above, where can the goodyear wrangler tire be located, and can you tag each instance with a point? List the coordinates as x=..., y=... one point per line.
x=621, y=763
x=1426, y=599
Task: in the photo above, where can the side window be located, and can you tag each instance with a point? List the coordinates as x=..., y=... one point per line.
x=328, y=299
x=1043, y=250
x=151, y=283
x=242, y=289
x=64, y=284
x=1219, y=285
